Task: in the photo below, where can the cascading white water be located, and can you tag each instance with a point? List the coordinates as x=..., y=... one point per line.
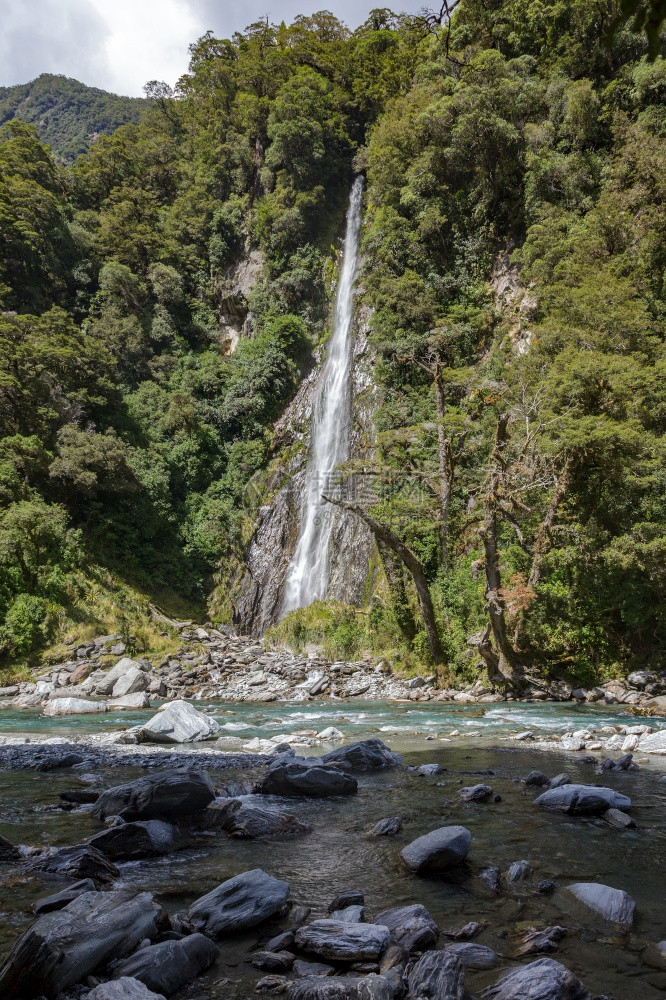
x=308, y=572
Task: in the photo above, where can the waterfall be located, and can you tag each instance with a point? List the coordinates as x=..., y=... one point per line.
x=308, y=572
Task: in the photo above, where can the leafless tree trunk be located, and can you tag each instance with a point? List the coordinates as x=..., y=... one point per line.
x=414, y=566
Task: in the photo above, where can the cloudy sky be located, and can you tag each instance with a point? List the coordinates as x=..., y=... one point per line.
x=120, y=44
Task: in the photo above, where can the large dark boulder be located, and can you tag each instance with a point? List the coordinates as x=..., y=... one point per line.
x=612, y=904
x=582, y=800
x=167, y=966
x=544, y=979
x=241, y=902
x=340, y=988
x=366, y=755
x=410, y=926
x=342, y=941
x=171, y=795
x=63, y=947
x=437, y=975
x=246, y=818
x=438, y=851
x=297, y=778
x=133, y=841
x=79, y=862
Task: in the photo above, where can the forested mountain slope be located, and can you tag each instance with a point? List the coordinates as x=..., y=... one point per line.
x=68, y=115
x=518, y=453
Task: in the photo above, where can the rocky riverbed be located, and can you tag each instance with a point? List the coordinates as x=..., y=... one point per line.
x=354, y=875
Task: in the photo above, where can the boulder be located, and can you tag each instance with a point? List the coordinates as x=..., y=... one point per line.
x=366, y=755
x=244, y=818
x=387, y=827
x=439, y=850
x=476, y=793
x=412, y=927
x=339, y=941
x=166, y=795
x=613, y=905
x=438, y=975
x=123, y=989
x=133, y=841
x=324, y=987
x=536, y=779
x=653, y=742
x=132, y=681
x=105, y=683
x=73, y=706
x=129, y=701
x=472, y=955
x=63, y=947
x=61, y=899
x=241, y=902
x=179, y=722
x=167, y=966
x=582, y=800
x=620, y=820
x=297, y=778
x=80, y=862
x=544, y=979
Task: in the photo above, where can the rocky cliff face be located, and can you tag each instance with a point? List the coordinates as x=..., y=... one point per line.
x=258, y=597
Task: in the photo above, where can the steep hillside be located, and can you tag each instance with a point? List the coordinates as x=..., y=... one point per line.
x=68, y=116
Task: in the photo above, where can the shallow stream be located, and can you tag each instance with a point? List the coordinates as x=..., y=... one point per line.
x=338, y=855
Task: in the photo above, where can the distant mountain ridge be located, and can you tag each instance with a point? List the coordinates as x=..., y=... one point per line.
x=69, y=116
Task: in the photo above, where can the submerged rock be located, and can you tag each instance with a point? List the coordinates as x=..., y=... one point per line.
x=366, y=755
x=438, y=975
x=387, y=827
x=296, y=778
x=168, y=795
x=132, y=841
x=412, y=927
x=582, y=800
x=519, y=870
x=544, y=979
x=179, y=722
x=245, y=818
x=167, y=966
x=439, y=850
x=63, y=947
x=476, y=793
x=612, y=904
x=61, y=899
x=341, y=941
x=241, y=902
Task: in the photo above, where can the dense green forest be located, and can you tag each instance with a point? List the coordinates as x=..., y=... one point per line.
x=514, y=260
x=68, y=116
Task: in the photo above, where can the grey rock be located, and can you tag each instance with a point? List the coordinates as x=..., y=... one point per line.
x=653, y=742
x=241, y=902
x=535, y=941
x=465, y=932
x=296, y=778
x=132, y=681
x=582, y=800
x=129, y=701
x=492, y=877
x=613, y=905
x=281, y=942
x=132, y=841
x=353, y=897
x=340, y=988
x=476, y=793
x=272, y=961
x=412, y=927
x=340, y=941
x=179, y=722
x=63, y=947
x=560, y=779
x=439, y=850
x=473, y=956
x=537, y=779
x=167, y=795
x=366, y=755
x=438, y=975
x=353, y=914
x=61, y=899
x=79, y=862
x=387, y=827
x=303, y=967
x=107, y=681
x=620, y=820
x=519, y=870
x=544, y=979
x=430, y=769
x=74, y=706
x=244, y=818
x=123, y=989
x=167, y=966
